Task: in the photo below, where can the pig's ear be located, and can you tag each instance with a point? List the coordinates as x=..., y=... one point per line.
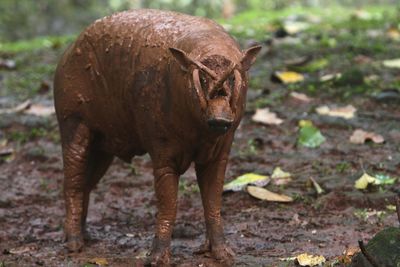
x=250, y=56
x=182, y=58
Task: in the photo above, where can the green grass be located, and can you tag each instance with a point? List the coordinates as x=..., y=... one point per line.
x=257, y=24
x=35, y=44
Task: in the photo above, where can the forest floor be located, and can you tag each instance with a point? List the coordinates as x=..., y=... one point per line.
x=340, y=62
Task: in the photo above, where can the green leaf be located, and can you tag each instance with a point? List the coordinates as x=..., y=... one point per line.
x=313, y=66
x=242, y=181
x=384, y=179
x=310, y=136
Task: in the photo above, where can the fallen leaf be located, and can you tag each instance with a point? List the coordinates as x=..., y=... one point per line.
x=24, y=105
x=4, y=152
x=384, y=179
x=393, y=33
x=280, y=177
x=99, y=261
x=351, y=251
x=362, y=59
x=309, y=136
x=348, y=255
x=310, y=260
x=391, y=207
x=249, y=178
x=314, y=65
x=300, y=61
x=23, y=249
x=264, y=194
x=8, y=64
x=346, y=112
x=40, y=110
x=317, y=187
x=392, y=63
x=265, y=116
x=364, y=181
x=278, y=173
x=330, y=77
x=288, y=259
x=287, y=77
x=360, y=137
x=362, y=15
x=293, y=27
x=301, y=97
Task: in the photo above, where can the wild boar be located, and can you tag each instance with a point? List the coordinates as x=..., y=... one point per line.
x=157, y=82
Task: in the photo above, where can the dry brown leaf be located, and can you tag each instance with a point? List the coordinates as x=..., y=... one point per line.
x=393, y=33
x=265, y=116
x=264, y=194
x=301, y=97
x=99, y=261
x=40, y=110
x=23, y=249
x=360, y=137
x=310, y=260
x=346, y=112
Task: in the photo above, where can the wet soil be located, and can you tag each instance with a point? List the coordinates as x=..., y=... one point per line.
x=121, y=218
x=122, y=212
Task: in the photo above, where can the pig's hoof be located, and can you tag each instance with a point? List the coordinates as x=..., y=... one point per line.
x=74, y=243
x=159, y=258
x=224, y=254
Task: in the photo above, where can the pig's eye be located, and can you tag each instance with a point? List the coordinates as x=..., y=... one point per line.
x=231, y=81
x=203, y=82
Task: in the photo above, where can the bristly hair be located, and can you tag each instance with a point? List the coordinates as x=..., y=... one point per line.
x=217, y=63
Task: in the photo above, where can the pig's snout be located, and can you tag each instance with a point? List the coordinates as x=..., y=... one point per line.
x=220, y=125
x=220, y=117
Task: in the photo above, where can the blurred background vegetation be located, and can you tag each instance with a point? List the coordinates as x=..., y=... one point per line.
x=25, y=19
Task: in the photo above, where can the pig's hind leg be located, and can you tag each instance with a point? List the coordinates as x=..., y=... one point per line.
x=98, y=163
x=81, y=173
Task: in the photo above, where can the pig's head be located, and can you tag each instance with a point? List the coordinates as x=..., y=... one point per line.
x=217, y=82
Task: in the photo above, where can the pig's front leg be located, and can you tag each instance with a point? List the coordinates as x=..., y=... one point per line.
x=210, y=177
x=166, y=189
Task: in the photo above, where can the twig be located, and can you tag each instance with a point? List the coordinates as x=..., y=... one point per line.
x=362, y=165
x=398, y=207
x=366, y=254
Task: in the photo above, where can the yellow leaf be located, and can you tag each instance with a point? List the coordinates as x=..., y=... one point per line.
x=364, y=181
x=317, y=187
x=310, y=260
x=289, y=77
x=99, y=261
x=305, y=123
x=264, y=194
x=248, y=178
x=278, y=173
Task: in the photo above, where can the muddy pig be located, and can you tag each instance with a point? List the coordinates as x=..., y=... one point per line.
x=157, y=82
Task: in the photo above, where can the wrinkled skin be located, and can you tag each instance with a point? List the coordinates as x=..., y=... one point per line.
x=147, y=81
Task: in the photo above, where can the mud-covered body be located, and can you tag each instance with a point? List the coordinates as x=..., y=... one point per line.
x=157, y=82
x=121, y=79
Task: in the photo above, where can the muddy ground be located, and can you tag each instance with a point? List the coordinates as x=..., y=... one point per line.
x=122, y=211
